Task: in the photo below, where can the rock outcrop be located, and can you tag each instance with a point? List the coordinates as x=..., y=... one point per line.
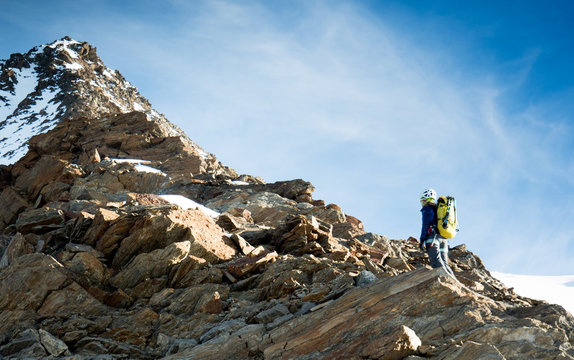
x=121, y=237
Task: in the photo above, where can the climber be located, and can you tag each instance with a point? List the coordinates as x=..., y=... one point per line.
x=435, y=245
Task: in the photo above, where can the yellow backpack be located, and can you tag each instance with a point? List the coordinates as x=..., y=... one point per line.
x=447, y=222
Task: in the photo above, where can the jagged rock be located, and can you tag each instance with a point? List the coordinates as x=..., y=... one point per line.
x=259, y=235
x=13, y=321
x=210, y=303
x=263, y=206
x=198, y=298
x=378, y=242
x=155, y=264
x=17, y=247
x=44, y=171
x=148, y=287
x=98, y=186
x=157, y=230
x=398, y=263
x=27, y=282
x=91, y=346
x=95, y=157
x=146, y=199
x=182, y=274
x=400, y=343
x=26, y=344
x=271, y=314
x=310, y=236
x=365, y=278
x=243, y=245
x=249, y=264
x=134, y=328
x=241, y=213
x=351, y=228
x=12, y=204
x=431, y=294
x=142, y=182
x=72, y=299
x=228, y=222
x=116, y=298
x=100, y=223
x=55, y=191
x=242, y=344
x=131, y=133
x=376, y=255
x=161, y=298
x=87, y=268
x=80, y=248
x=331, y=214
x=472, y=350
x=225, y=327
x=40, y=220
x=52, y=344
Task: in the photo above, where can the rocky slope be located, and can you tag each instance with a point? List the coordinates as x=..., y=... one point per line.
x=121, y=238
x=66, y=79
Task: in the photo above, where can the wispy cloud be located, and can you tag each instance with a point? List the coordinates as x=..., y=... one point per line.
x=331, y=93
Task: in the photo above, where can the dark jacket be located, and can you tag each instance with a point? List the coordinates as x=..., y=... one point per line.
x=429, y=221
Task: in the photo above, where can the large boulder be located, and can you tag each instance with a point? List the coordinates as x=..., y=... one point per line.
x=155, y=230
x=44, y=171
x=40, y=220
x=155, y=264
x=26, y=283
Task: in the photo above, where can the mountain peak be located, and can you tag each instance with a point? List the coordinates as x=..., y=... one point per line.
x=60, y=80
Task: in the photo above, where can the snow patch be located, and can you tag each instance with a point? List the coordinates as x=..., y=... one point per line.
x=132, y=161
x=202, y=153
x=138, y=107
x=237, y=182
x=140, y=165
x=148, y=169
x=108, y=73
x=21, y=124
x=186, y=203
x=62, y=43
x=72, y=53
x=554, y=289
x=73, y=66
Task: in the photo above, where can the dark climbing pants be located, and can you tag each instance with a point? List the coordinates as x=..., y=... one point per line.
x=437, y=250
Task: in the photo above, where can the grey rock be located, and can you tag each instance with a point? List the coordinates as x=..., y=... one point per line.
x=226, y=327
x=365, y=278
x=269, y=315
x=25, y=339
x=53, y=345
x=279, y=321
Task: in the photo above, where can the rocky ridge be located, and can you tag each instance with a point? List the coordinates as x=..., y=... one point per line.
x=121, y=238
x=61, y=80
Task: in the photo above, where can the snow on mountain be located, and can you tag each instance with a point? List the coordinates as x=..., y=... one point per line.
x=63, y=79
x=553, y=289
x=19, y=125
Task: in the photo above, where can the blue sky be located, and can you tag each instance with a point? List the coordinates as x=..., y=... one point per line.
x=371, y=101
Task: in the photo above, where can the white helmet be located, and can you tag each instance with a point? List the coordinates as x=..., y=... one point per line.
x=429, y=194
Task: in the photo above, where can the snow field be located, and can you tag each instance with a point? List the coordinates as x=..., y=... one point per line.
x=553, y=289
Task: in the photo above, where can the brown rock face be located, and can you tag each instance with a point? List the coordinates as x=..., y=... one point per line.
x=155, y=231
x=12, y=205
x=25, y=284
x=131, y=136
